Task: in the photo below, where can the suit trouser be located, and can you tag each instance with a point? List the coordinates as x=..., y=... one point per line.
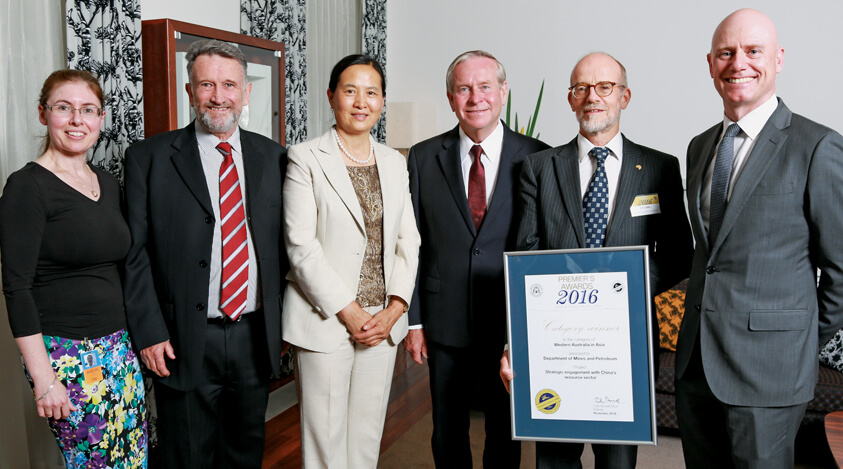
x=716, y=434
x=567, y=456
x=343, y=396
x=220, y=424
x=460, y=377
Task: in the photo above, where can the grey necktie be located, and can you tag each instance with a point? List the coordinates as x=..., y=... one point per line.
x=720, y=181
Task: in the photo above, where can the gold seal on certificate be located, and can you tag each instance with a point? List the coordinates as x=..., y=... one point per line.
x=547, y=401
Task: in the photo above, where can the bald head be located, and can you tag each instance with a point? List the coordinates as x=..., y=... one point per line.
x=744, y=59
x=601, y=61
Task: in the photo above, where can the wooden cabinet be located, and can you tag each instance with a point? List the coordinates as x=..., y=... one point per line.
x=166, y=106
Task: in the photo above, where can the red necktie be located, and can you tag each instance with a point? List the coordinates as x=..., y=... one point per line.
x=477, y=187
x=235, y=250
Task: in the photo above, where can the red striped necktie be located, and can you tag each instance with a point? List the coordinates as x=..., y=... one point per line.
x=235, y=250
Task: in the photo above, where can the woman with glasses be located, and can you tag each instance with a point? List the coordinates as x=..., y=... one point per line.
x=353, y=246
x=63, y=241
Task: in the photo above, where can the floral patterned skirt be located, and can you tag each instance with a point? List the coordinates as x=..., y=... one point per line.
x=108, y=428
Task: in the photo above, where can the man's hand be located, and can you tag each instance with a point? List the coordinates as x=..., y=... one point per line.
x=416, y=344
x=153, y=358
x=506, y=370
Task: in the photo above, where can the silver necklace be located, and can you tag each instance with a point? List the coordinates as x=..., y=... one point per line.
x=94, y=193
x=346, y=153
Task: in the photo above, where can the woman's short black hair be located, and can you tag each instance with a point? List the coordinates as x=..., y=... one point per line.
x=355, y=59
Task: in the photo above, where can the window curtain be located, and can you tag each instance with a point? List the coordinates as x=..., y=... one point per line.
x=374, y=44
x=31, y=47
x=104, y=37
x=284, y=21
x=333, y=30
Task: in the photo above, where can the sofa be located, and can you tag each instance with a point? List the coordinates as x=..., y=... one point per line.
x=828, y=396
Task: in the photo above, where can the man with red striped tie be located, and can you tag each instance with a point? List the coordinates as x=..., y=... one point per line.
x=205, y=273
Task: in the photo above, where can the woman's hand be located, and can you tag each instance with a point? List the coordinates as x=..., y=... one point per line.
x=55, y=402
x=378, y=328
x=51, y=402
x=354, y=317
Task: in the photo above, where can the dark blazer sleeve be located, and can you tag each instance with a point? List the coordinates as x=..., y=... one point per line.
x=528, y=194
x=414, y=313
x=143, y=312
x=674, y=249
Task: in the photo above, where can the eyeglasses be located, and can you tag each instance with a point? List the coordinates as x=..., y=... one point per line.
x=87, y=112
x=603, y=89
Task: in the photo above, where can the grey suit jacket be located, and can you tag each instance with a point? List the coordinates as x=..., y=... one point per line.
x=552, y=218
x=753, y=298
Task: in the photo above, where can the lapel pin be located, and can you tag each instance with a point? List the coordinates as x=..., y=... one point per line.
x=638, y=167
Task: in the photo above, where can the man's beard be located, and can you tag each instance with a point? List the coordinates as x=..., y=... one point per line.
x=219, y=126
x=594, y=126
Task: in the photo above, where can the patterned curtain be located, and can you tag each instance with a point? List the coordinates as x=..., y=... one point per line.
x=104, y=37
x=284, y=21
x=374, y=44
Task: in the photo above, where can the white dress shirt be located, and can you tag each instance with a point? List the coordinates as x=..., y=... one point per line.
x=491, y=158
x=588, y=166
x=751, y=126
x=211, y=162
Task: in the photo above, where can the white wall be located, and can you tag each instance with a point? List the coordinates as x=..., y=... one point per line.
x=219, y=14
x=662, y=43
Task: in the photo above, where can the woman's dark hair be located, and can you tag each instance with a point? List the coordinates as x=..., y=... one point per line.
x=355, y=59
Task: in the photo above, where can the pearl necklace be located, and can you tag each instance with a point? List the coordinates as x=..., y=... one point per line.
x=94, y=193
x=346, y=153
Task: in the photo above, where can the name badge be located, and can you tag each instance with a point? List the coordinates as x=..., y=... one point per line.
x=92, y=366
x=645, y=204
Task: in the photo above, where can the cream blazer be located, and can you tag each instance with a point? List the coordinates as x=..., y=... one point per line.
x=325, y=237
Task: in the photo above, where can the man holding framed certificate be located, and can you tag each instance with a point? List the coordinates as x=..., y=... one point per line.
x=602, y=190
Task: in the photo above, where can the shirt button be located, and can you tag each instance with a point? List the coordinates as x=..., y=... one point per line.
x=476, y=252
x=209, y=220
x=200, y=306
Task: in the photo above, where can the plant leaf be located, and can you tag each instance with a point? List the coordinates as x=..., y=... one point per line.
x=536, y=114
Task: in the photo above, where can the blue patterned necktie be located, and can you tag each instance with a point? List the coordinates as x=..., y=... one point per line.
x=720, y=181
x=595, y=203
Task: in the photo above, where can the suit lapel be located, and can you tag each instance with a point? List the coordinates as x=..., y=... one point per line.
x=449, y=163
x=189, y=166
x=329, y=156
x=503, y=183
x=696, y=177
x=567, y=165
x=390, y=189
x=629, y=183
x=766, y=150
x=253, y=167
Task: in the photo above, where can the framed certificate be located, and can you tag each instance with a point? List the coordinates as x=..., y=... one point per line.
x=580, y=345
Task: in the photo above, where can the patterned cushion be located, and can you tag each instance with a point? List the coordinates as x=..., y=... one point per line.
x=832, y=354
x=670, y=306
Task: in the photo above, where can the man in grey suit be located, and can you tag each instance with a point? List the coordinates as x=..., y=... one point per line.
x=557, y=185
x=764, y=192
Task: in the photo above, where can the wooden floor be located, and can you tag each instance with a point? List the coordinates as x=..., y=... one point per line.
x=409, y=401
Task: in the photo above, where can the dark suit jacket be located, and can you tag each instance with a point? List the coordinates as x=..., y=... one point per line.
x=752, y=296
x=459, y=295
x=171, y=220
x=552, y=216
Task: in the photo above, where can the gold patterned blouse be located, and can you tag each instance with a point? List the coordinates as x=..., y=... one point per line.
x=371, y=290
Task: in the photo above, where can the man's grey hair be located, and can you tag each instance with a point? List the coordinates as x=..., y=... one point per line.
x=449, y=76
x=214, y=47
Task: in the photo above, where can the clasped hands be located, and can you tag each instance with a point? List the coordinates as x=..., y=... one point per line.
x=367, y=329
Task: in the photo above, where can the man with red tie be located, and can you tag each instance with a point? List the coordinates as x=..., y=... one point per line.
x=205, y=273
x=463, y=185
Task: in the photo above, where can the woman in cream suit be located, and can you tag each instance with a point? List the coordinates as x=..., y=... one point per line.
x=353, y=246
